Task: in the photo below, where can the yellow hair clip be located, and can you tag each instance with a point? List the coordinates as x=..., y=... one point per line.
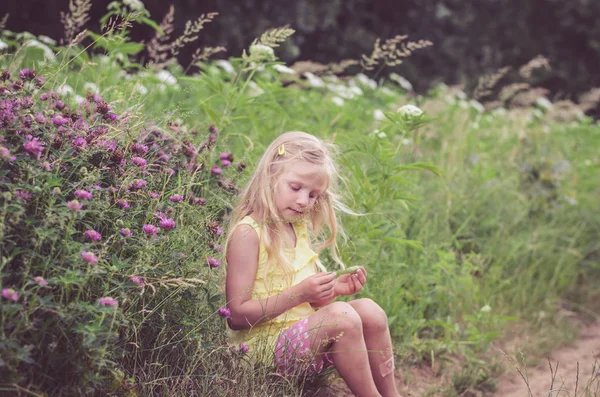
x=281, y=150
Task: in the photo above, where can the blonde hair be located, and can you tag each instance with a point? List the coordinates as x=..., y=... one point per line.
x=257, y=197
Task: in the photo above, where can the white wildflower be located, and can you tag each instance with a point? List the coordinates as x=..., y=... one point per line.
x=64, y=89
x=378, y=134
x=48, y=53
x=104, y=59
x=477, y=106
x=499, y=112
x=410, y=111
x=406, y=141
x=261, y=51
x=340, y=90
x=135, y=5
x=571, y=200
x=402, y=82
x=485, y=309
x=91, y=87
x=141, y=89
x=387, y=91
x=284, y=69
x=450, y=99
x=166, y=77
x=460, y=94
x=25, y=36
x=337, y=100
x=3, y=45
x=256, y=66
x=254, y=89
x=365, y=80
x=225, y=65
x=79, y=99
x=356, y=90
x=313, y=80
x=536, y=114
x=378, y=114
x=544, y=103
x=332, y=79
x=47, y=40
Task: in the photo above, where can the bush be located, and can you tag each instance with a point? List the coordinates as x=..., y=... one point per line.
x=110, y=231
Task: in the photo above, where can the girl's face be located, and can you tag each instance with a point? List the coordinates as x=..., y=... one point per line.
x=297, y=189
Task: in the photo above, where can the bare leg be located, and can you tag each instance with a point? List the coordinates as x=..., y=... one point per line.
x=336, y=329
x=379, y=345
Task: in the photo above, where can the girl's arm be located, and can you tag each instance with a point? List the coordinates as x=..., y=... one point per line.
x=322, y=302
x=242, y=265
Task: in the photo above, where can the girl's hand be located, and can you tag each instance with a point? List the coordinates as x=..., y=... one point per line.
x=350, y=284
x=316, y=287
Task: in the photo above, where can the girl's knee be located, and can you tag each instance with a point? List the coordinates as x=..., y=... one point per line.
x=371, y=314
x=343, y=316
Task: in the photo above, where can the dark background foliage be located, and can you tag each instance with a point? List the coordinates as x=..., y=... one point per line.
x=471, y=38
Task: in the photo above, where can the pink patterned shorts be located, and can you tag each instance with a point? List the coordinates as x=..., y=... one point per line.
x=293, y=353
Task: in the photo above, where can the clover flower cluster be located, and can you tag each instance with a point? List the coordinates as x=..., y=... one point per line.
x=42, y=131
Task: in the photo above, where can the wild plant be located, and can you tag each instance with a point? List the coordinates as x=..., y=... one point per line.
x=392, y=52
x=76, y=19
x=159, y=46
x=559, y=385
x=96, y=242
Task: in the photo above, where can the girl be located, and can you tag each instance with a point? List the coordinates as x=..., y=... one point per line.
x=275, y=280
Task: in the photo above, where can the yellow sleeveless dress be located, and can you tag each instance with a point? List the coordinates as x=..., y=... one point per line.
x=262, y=337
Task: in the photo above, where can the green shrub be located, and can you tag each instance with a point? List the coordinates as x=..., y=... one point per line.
x=110, y=232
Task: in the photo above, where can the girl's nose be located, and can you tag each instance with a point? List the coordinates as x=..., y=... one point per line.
x=302, y=199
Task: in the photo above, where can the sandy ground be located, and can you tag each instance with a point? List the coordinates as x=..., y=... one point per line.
x=584, y=352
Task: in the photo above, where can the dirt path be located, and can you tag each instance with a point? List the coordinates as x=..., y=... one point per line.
x=585, y=351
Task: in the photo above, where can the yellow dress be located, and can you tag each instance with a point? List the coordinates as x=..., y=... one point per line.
x=261, y=338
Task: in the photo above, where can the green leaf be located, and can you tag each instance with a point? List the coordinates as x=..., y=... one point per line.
x=53, y=181
x=130, y=48
x=100, y=41
x=152, y=24
x=420, y=167
x=14, y=208
x=119, y=264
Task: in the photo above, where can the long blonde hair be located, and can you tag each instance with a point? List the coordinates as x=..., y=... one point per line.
x=257, y=197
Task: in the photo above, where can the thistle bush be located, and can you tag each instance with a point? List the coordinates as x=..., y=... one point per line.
x=110, y=231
